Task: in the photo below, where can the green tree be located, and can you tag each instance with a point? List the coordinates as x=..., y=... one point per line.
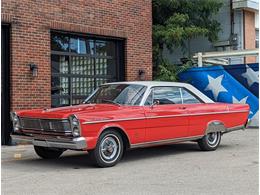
x=175, y=22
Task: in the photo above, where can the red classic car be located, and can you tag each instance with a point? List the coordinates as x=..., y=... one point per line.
x=126, y=115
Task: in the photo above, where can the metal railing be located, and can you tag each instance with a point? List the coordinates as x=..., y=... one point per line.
x=210, y=57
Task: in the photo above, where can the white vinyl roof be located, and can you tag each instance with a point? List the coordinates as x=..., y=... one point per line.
x=150, y=84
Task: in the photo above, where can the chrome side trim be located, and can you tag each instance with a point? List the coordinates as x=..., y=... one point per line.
x=218, y=126
x=166, y=116
x=167, y=141
x=113, y=120
x=182, y=139
x=74, y=144
x=240, y=127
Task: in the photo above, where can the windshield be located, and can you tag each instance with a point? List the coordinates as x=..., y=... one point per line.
x=121, y=94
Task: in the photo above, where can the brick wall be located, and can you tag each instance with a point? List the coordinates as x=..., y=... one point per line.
x=249, y=34
x=32, y=20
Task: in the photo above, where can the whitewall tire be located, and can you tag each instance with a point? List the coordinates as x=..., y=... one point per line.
x=109, y=149
x=210, y=141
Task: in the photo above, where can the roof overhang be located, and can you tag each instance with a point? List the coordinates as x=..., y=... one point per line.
x=251, y=5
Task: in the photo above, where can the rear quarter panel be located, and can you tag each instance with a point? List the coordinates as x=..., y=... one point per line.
x=231, y=115
x=240, y=114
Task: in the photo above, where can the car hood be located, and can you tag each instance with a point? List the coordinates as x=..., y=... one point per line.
x=65, y=112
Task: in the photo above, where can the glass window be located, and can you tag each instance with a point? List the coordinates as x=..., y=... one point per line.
x=60, y=64
x=164, y=95
x=78, y=45
x=59, y=85
x=171, y=95
x=82, y=65
x=106, y=66
x=105, y=48
x=188, y=98
x=59, y=42
x=122, y=94
x=81, y=86
x=138, y=98
x=79, y=64
x=56, y=102
x=149, y=100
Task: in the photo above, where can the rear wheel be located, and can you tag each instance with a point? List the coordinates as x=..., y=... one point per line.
x=109, y=149
x=210, y=141
x=48, y=153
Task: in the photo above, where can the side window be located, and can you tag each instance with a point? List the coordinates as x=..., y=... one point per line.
x=188, y=98
x=164, y=95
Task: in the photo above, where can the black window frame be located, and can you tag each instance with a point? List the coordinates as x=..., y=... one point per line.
x=119, y=58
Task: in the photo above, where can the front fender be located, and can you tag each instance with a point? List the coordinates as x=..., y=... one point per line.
x=92, y=141
x=112, y=125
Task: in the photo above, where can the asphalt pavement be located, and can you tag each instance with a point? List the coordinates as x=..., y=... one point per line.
x=173, y=169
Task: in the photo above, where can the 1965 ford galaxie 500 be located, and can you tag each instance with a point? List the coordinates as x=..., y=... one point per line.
x=125, y=115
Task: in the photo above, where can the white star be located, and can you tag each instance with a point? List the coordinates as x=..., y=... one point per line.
x=215, y=86
x=251, y=76
x=242, y=101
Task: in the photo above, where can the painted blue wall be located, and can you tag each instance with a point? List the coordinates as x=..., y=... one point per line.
x=227, y=84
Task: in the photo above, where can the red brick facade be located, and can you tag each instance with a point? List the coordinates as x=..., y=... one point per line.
x=249, y=34
x=31, y=22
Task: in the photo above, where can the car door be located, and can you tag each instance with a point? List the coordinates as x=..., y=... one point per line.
x=199, y=112
x=166, y=116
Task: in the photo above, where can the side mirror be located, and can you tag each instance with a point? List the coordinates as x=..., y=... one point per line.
x=155, y=102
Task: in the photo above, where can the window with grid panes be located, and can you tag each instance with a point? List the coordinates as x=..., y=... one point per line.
x=80, y=63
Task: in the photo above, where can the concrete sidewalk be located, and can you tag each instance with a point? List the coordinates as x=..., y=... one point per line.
x=175, y=169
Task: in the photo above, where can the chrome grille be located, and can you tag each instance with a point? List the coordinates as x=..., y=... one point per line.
x=45, y=124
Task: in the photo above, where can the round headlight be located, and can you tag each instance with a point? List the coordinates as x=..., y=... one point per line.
x=76, y=131
x=15, y=119
x=16, y=124
x=75, y=125
x=16, y=128
x=75, y=121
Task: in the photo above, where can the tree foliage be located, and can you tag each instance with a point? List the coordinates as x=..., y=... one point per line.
x=169, y=72
x=176, y=21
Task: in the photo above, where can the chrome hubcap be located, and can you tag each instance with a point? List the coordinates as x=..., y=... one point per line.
x=110, y=148
x=213, y=138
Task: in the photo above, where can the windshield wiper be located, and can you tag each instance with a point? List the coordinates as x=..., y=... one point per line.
x=111, y=101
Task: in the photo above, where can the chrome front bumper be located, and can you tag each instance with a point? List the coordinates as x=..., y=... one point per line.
x=78, y=143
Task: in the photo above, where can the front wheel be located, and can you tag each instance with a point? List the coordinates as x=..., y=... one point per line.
x=109, y=149
x=48, y=153
x=210, y=141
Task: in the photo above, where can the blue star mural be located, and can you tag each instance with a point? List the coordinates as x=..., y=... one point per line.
x=247, y=75
x=219, y=85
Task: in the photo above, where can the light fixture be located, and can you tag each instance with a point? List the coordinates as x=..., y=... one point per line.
x=33, y=69
x=141, y=75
